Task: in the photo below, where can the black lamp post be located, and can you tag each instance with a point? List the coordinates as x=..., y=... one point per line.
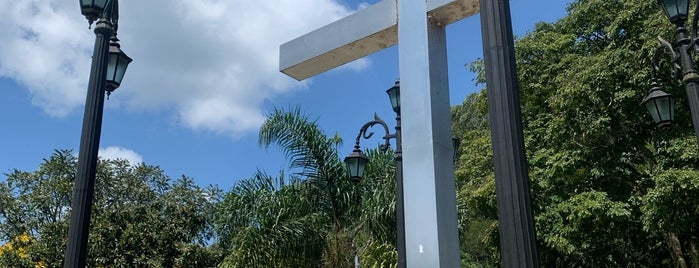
x=356, y=163
x=660, y=104
x=106, y=56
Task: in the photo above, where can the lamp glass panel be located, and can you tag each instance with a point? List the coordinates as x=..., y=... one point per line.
x=653, y=110
x=356, y=165
x=100, y=3
x=112, y=67
x=683, y=7
x=97, y=4
x=670, y=7
x=672, y=109
x=394, y=97
x=352, y=164
x=121, y=68
x=664, y=108
x=675, y=9
x=361, y=165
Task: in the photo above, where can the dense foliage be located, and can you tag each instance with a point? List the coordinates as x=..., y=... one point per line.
x=139, y=216
x=609, y=189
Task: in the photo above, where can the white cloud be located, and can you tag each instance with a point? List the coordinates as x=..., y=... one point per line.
x=115, y=152
x=363, y=5
x=211, y=63
x=43, y=50
x=357, y=65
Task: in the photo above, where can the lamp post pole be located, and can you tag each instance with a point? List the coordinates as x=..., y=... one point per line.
x=102, y=60
x=400, y=213
x=83, y=191
x=677, y=12
x=690, y=78
x=356, y=162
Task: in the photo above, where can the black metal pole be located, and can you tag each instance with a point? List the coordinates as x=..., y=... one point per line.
x=83, y=191
x=400, y=209
x=690, y=78
x=692, y=89
x=515, y=217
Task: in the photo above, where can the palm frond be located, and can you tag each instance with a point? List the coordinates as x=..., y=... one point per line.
x=313, y=154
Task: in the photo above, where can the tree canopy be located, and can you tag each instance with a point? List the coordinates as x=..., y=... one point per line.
x=140, y=217
x=598, y=166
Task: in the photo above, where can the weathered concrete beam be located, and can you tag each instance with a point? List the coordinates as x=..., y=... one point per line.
x=358, y=35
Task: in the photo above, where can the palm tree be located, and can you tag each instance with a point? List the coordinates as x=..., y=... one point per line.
x=269, y=223
x=315, y=157
x=316, y=160
x=319, y=218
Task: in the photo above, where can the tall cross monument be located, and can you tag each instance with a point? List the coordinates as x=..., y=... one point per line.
x=431, y=235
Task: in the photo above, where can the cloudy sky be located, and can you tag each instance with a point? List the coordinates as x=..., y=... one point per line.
x=205, y=74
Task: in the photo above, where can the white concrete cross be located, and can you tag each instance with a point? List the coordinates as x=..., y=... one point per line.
x=418, y=25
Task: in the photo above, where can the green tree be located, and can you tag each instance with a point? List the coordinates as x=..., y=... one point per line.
x=139, y=217
x=37, y=204
x=475, y=181
x=607, y=186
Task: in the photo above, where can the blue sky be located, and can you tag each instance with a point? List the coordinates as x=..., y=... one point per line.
x=204, y=75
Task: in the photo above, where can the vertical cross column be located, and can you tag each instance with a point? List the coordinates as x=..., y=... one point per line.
x=428, y=170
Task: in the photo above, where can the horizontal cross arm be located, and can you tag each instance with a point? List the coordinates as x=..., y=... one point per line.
x=358, y=35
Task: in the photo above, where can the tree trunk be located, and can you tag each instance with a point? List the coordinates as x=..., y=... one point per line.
x=675, y=248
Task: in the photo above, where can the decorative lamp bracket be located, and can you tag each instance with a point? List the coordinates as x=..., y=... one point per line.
x=364, y=133
x=675, y=62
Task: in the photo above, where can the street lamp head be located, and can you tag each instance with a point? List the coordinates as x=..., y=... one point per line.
x=116, y=67
x=676, y=10
x=661, y=105
x=92, y=9
x=394, y=96
x=356, y=163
